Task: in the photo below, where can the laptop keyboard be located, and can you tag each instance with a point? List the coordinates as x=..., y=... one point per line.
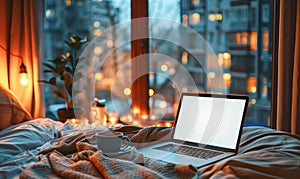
x=190, y=151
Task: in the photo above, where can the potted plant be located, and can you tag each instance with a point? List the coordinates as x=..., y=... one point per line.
x=62, y=70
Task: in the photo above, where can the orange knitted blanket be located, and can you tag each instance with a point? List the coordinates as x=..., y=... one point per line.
x=74, y=156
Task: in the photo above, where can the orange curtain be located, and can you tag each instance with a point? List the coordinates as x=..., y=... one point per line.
x=288, y=98
x=21, y=34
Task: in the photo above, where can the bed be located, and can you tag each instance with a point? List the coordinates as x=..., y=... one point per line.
x=44, y=148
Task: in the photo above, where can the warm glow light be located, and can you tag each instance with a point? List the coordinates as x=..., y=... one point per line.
x=227, y=78
x=162, y=104
x=253, y=41
x=184, y=89
x=265, y=88
x=184, y=58
x=168, y=124
x=151, y=92
x=220, y=59
x=195, y=2
x=144, y=116
x=211, y=61
x=212, y=17
x=253, y=101
x=109, y=43
x=97, y=32
x=99, y=76
x=113, y=117
x=244, y=37
x=164, y=68
x=23, y=79
x=136, y=110
x=136, y=123
x=219, y=17
x=227, y=60
x=72, y=39
x=172, y=71
x=68, y=2
x=266, y=40
x=129, y=118
x=72, y=121
x=98, y=50
x=211, y=77
x=153, y=117
x=50, y=13
x=195, y=18
x=238, y=38
x=127, y=91
x=184, y=19
x=251, y=87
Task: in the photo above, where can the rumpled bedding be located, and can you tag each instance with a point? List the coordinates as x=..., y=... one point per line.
x=43, y=148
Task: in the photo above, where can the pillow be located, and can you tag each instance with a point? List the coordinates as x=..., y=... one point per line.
x=11, y=110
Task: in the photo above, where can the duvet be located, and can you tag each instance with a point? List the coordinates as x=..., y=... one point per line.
x=44, y=148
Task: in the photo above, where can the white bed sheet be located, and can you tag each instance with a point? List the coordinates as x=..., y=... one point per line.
x=20, y=144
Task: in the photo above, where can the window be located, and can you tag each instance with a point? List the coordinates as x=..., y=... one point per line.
x=194, y=18
x=195, y=2
x=265, y=13
x=265, y=40
x=242, y=38
x=185, y=19
x=238, y=38
x=253, y=41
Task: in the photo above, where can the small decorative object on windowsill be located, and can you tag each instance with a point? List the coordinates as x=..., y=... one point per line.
x=153, y=120
x=62, y=70
x=113, y=117
x=98, y=111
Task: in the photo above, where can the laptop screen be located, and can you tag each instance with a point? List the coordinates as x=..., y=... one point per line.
x=210, y=120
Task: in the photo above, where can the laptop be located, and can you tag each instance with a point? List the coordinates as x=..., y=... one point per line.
x=207, y=129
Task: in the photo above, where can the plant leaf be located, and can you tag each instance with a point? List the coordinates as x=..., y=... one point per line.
x=52, y=81
x=59, y=93
x=67, y=79
x=44, y=81
x=57, y=61
x=69, y=70
x=48, y=71
x=49, y=66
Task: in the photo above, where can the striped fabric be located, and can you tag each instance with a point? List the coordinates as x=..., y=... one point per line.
x=11, y=109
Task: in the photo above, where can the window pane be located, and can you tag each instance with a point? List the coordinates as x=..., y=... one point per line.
x=93, y=20
x=239, y=33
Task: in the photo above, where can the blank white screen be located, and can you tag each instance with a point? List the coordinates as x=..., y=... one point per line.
x=209, y=120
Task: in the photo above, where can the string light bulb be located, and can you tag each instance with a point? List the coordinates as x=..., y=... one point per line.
x=23, y=79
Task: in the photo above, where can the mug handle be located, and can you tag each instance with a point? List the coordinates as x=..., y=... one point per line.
x=124, y=146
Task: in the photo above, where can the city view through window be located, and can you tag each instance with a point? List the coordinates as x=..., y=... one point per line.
x=239, y=32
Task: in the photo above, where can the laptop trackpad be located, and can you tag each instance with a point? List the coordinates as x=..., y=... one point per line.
x=185, y=160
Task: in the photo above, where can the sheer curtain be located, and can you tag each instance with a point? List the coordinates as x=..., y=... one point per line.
x=288, y=96
x=21, y=33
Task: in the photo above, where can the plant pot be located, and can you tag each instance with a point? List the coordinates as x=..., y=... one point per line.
x=64, y=114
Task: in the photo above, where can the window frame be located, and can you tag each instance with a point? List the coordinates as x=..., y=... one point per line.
x=275, y=45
